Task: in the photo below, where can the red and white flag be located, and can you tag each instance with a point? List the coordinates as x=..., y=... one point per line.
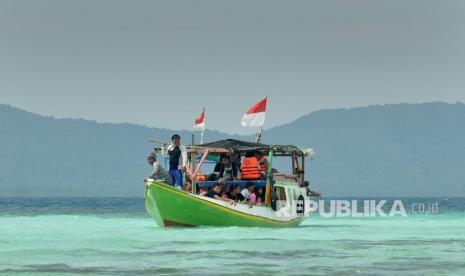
x=255, y=117
x=200, y=121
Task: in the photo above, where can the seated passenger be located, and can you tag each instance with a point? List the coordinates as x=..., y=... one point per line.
x=229, y=170
x=158, y=172
x=263, y=163
x=250, y=168
x=235, y=194
x=247, y=191
x=187, y=186
x=215, y=193
x=217, y=170
x=256, y=197
x=203, y=190
x=224, y=189
x=236, y=158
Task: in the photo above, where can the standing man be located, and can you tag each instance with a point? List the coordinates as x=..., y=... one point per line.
x=177, y=155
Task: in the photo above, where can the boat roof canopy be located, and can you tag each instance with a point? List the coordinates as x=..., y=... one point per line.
x=229, y=145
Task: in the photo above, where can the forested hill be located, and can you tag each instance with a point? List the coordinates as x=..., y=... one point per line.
x=388, y=150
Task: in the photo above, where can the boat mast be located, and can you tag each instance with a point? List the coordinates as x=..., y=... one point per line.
x=258, y=137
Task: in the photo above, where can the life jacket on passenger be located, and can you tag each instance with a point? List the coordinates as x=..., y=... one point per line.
x=200, y=177
x=250, y=169
x=263, y=162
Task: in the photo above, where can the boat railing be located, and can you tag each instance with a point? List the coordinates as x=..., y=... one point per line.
x=285, y=177
x=240, y=183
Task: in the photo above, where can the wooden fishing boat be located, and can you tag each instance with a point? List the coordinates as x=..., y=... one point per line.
x=285, y=194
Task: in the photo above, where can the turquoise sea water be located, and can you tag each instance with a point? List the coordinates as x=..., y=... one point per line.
x=116, y=237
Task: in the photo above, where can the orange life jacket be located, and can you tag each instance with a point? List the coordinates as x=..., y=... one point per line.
x=250, y=169
x=199, y=177
x=263, y=164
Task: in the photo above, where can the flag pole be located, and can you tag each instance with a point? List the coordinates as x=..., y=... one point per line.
x=203, y=128
x=255, y=117
x=258, y=137
x=200, y=123
x=259, y=134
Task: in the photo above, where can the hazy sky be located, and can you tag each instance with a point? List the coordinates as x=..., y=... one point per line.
x=159, y=62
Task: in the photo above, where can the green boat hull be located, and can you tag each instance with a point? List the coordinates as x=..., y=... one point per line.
x=172, y=207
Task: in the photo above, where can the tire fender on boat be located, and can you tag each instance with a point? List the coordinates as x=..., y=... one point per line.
x=300, y=210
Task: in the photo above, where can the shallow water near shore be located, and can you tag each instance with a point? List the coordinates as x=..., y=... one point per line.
x=100, y=236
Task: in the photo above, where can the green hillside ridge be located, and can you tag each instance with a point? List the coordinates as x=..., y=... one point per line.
x=380, y=150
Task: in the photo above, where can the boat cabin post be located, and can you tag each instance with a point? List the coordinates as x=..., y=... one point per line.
x=192, y=165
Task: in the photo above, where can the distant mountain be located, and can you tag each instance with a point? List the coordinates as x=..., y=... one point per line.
x=397, y=149
x=391, y=150
x=43, y=156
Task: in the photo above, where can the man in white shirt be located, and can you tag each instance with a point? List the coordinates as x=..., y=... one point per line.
x=177, y=155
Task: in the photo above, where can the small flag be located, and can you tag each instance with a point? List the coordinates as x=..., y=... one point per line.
x=200, y=121
x=255, y=117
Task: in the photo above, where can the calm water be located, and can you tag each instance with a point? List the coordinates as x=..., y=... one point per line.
x=115, y=237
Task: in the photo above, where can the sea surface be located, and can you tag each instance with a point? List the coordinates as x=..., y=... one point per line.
x=114, y=236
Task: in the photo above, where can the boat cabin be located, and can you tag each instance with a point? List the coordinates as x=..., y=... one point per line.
x=286, y=186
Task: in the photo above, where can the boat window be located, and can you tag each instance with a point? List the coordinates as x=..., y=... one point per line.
x=281, y=193
x=291, y=193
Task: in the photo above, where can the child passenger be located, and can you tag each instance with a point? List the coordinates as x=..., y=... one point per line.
x=248, y=190
x=255, y=197
x=235, y=194
x=215, y=193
